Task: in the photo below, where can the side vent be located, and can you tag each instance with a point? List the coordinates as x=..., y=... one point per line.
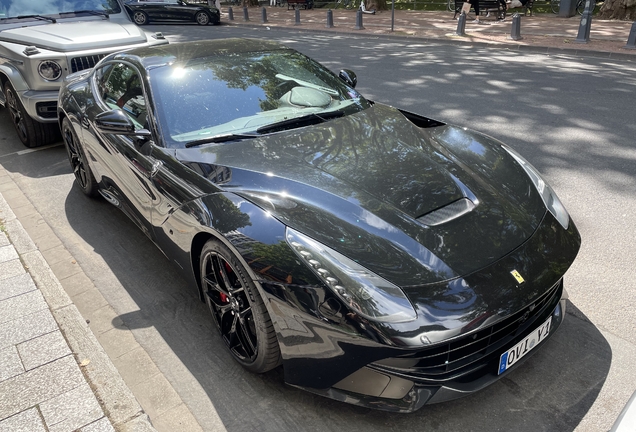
x=447, y=213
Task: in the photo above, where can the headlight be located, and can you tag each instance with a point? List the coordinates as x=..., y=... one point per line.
x=549, y=197
x=50, y=70
x=367, y=293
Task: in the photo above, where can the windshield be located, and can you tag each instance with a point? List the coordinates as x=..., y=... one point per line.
x=17, y=8
x=243, y=93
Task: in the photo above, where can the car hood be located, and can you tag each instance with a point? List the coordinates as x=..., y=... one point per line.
x=358, y=184
x=76, y=36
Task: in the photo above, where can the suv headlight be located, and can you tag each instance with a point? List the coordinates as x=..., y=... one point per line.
x=549, y=197
x=367, y=293
x=50, y=70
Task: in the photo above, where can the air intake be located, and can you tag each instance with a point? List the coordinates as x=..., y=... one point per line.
x=447, y=213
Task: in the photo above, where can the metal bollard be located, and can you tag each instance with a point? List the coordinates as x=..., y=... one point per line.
x=586, y=22
x=515, y=30
x=297, y=22
x=230, y=14
x=329, y=18
x=461, y=25
x=264, y=17
x=631, y=40
x=246, y=16
x=359, y=25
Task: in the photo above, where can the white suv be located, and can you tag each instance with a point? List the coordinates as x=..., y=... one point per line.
x=43, y=41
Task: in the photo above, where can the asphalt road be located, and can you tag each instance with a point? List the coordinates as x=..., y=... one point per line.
x=573, y=118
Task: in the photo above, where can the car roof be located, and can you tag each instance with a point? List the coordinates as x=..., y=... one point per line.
x=182, y=52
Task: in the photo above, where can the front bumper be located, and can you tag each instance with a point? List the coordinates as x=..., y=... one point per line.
x=405, y=390
x=40, y=105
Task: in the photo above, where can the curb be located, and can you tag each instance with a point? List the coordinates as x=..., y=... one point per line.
x=116, y=399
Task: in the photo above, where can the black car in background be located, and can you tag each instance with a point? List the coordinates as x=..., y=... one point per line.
x=383, y=258
x=142, y=11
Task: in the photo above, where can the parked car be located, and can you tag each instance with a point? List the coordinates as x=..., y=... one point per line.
x=384, y=258
x=143, y=11
x=42, y=42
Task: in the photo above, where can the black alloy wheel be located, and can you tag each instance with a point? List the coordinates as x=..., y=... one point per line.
x=31, y=133
x=140, y=18
x=238, y=309
x=202, y=18
x=85, y=179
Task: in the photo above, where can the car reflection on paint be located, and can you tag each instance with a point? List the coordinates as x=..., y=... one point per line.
x=383, y=258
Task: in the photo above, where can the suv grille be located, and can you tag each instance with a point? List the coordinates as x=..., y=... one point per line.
x=85, y=62
x=466, y=355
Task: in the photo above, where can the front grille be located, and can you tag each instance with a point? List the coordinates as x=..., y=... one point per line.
x=85, y=62
x=46, y=109
x=460, y=358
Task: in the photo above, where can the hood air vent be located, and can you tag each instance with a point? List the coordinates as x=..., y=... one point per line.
x=447, y=213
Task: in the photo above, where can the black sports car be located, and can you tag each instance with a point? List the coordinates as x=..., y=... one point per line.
x=143, y=11
x=383, y=258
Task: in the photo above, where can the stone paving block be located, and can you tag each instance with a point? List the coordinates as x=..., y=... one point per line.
x=26, y=421
x=24, y=211
x=4, y=240
x=178, y=418
x=10, y=364
x=101, y=425
x=39, y=385
x=26, y=327
x=71, y=410
x=46, y=281
x=64, y=269
x=13, y=195
x=19, y=237
x=42, y=350
x=117, y=342
x=76, y=284
x=25, y=304
x=10, y=269
x=136, y=366
x=103, y=319
x=156, y=395
x=57, y=254
x=7, y=253
x=89, y=301
x=16, y=285
x=6, y=214
x=138, y=424
x=109, y=387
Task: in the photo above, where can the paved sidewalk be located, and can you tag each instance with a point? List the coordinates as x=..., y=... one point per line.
x=54, y=375
x=542, y=32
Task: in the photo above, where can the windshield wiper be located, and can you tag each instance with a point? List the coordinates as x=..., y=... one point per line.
x=86, y=11
x=40, y=17
x=305, y=120
x=219, y=138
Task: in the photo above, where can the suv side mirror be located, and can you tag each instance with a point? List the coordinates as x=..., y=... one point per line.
x=349, y=77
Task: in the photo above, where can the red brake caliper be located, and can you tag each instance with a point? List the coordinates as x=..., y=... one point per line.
x=228, y=269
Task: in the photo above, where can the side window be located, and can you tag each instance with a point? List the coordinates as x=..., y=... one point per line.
x=122, y=89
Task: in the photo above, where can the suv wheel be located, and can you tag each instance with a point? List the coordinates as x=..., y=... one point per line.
x=30, y=132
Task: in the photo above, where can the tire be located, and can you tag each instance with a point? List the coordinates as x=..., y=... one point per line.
x=202, y=18
x=140, y=18
x=238, y=309
x=32, y=133
x=77, y=158
x=554, y=6
x=580, y=7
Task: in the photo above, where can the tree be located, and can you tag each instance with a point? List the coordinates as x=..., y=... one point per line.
x=618, y=9
x=377, y=4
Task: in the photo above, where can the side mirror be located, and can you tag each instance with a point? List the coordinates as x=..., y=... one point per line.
x=349, y=77
x=117, y=122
